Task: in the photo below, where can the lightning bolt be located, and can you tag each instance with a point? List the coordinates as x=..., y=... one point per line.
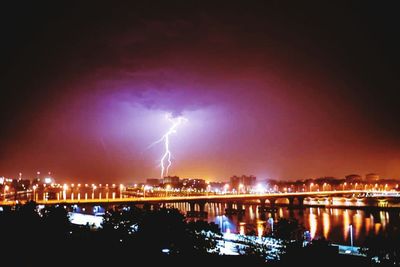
x=165, y=161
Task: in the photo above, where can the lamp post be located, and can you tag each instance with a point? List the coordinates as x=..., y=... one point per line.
x=6, y=188
x=226, y=188
x=79, y=192
x=241, y=188
x=121, y=187
x=93, y=188
x=144, y=190
x=34, y=192
x=167, y=188
x=65, y=188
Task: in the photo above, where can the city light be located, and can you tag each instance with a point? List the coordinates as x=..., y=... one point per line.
x=260, y=189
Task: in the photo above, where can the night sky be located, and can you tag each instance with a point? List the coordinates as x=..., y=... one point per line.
x=278, y=90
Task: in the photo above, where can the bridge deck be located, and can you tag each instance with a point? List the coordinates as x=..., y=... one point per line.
x=209, y=198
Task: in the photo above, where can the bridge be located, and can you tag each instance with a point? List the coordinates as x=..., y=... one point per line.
x=238, y=200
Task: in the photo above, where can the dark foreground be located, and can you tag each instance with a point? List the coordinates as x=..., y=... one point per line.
x=130, y=236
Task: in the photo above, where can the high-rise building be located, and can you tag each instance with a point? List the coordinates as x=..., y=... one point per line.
x=194, y=183
x=244, y=181
x=171, y=180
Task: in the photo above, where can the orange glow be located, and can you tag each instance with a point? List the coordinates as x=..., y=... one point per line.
x=357, y=221
x=242, y=228
x=377, y=228
x=260, y=228
x=326, y=224
x=346, y=223
x=313, y=224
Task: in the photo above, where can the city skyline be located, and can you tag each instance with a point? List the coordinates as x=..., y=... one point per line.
x=276, y=91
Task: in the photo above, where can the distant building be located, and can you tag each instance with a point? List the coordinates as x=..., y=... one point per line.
x=372, y=177
x=153, y=182
x=171, y=180
x=20, y=184
x=194, y=183
x=246, y=181
x=353, y=178
x=217, y=186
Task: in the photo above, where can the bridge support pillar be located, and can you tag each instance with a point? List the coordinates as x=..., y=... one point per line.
x=291, y=202
x=192, y=206
x=301, y=201
x=262, y=207
x=272, y=202
x=240, y=208
x=202, y=206
x=229, y=208
x=272, y=206
x=201, y=213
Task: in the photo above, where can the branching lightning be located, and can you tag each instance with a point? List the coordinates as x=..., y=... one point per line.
x=166, y=162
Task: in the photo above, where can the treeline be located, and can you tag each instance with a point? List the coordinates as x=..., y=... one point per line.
x=130, y=235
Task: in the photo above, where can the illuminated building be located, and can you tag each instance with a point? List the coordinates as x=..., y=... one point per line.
x=372, y=177
x=246, y=181
x=171, y=180
x=194, y=183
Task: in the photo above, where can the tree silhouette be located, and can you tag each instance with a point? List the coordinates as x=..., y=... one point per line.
x=289, y=229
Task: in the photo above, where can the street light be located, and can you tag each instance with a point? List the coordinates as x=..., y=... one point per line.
x=65, y=188
x=260, y=189
x=34, y=192
x=167, y=188
x=93, y=188
x=241, y=188
x=121, y=187
x=145, y=188
x=6, y=188
x=226, y=187
x=324, y=187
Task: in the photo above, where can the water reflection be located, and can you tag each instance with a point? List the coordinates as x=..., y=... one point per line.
x=346, y=224
x=260, y=228
x=312, y=218
x=242, y=228
x=357, y=222
x=326, y=224
x=332, y=224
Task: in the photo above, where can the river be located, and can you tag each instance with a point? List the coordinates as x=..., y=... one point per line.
x=334, y=224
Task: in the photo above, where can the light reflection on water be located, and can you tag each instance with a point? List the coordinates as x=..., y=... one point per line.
x=313, y=223
x=333, y=224
x=326, y=224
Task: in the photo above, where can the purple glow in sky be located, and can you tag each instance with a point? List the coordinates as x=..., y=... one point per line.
x=166, y=159
x=274, y=90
